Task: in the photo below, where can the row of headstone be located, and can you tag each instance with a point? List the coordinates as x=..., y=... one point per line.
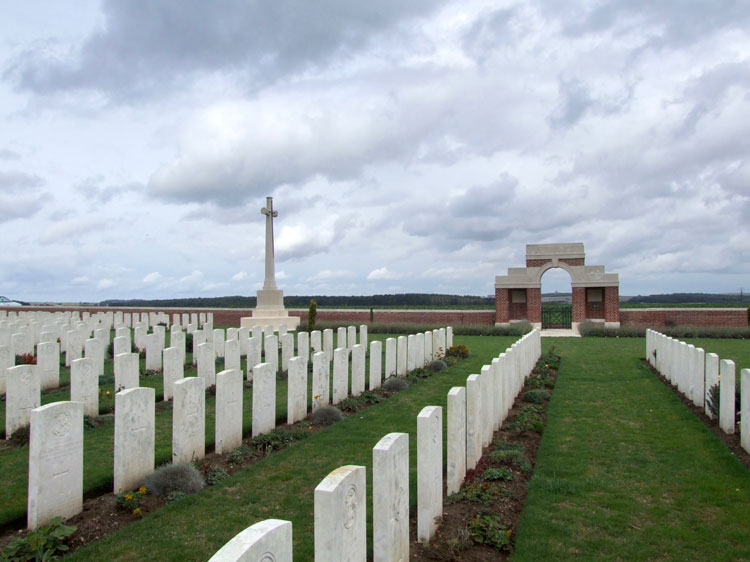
x=340, y=506
x=694, y=373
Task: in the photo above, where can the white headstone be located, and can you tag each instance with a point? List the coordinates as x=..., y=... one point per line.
x=316, y=341
x=126, y=370
x=134, y=437
x=726, y=406
x=411, y=353
x=303, y=346
x=253, y=356
x=287, y=350
x=321, y=381
x=358, y=369
x=55, y=462
x=376, y=361
x=264, y=399
x=351, y=337
x=340, y=375
x=429, y=471
x=448, y=337
x=243, y=335
x=218, y=342
x=207, y=364
x=296, y=408
x=154, y=349
x=363, y=335
x=712, y=377
x=271, y=352
x=456, y=450
x=95, y=351
x=401, y=359
x=189, y=420
x=485, y=384
x=7, y=359
x=328, y=344
x=174, y=370
x=228, y=410
x=341, y=337
x=23, y=394
x=232, y=357
x=390, y=358
x=48, y=364
x=473, y=421
x=178, y=340
x=390, y=498
x=341, y=516
x=269, y=540
x=120, y=345
x=745, y=405
x=428, y=356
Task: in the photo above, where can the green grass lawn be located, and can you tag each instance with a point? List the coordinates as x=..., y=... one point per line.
x=626, y=472
x=281, y=485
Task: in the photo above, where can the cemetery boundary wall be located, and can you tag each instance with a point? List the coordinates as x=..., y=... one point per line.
x=641, y=317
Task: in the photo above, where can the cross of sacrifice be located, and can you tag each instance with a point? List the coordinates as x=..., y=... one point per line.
x=270, y=280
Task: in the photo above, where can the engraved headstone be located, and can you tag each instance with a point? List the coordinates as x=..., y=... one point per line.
x=320, y=382
x=328, y=344
x=429, y=471
x=207, y=363
x=55, y=463
x=376, y=359
x=340, y=375
x=473, y=422
x=390, y=498
x=232, y=355
x=126, y=368
x=174, y=370
x=188, y=420
x=726, y=394
x=296, y=408
x=253, y=356
x=134, y=437
x=341, y=516
x=264, y=399
x=228, y=410
x=390, y=358
x=22, y=394
x=456, y=450
x=269, y=540
x=401, y=360
x=48, y=364
x=358, y=369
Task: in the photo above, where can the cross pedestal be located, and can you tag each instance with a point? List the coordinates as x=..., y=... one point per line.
x=270, y=309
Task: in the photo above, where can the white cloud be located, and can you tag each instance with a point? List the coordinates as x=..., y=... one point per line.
x=153, y=277
x=105, y=284
x=382, y=273
x=239, y=276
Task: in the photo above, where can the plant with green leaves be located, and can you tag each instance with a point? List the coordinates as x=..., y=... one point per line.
x=312, y=312
x=43, y=544
x=488, y=528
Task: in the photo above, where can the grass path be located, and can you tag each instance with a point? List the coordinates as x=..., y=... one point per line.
x=626, y=472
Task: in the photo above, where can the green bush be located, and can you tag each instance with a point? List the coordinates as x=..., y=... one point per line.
x=169, y=478
x=327, y=415
x=488, y=528
x=713, y=400
x=312, y=312
x=511, y=453
x=240, y=454
x=460, y=351
x=437, y=365
x=502, y=473
x=535, y=396
x=395, y=384
x=43, y=544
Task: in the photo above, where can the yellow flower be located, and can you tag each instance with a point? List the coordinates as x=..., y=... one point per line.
x=316, y=396
x=142, y=491
x=129, y=497
x=108, y=393
x=138, y=512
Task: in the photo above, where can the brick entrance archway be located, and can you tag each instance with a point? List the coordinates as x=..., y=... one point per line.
x=518, y=295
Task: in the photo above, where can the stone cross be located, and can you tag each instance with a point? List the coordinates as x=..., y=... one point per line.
x=270, y=280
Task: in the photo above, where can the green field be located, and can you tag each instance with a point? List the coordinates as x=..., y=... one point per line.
x=625, y=470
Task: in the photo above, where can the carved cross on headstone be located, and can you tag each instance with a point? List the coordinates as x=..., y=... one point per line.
x=270, y=280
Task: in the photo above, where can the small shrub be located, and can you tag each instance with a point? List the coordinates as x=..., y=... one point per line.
x=214, y=474
x=488, y=528
x=239, y=455
x=714, y=395
x=20, y=436
x=174, y=477
x=416, y=375
x=130, y=501
x=511, y=453
x=437, y=365
x=312, y=312
x=528, y=419
x=395, y=384
x=447, y=547
x=174, y=496
x=535, y=396
x=26, y=359
x=502, y=473
x=278, y=438
x=43, y=544
x=460, y=351
x=327, y=415
x=358, y=402
x=477, y=491
x=188, y=343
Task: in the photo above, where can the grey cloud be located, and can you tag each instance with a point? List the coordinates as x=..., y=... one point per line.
x=15, y=181
x=576, y=101
x=146, y=47
x=488, y=33
x=6, y=154
x=19, y=205
x=93, y=189
x=677, y=23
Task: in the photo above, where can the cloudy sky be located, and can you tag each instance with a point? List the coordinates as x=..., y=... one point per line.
x=409, y=146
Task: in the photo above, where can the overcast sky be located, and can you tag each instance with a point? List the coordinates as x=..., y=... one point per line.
x=410, y=146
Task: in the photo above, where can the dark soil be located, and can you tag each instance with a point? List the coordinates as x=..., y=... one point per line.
x=731, y=441
x=453, y=541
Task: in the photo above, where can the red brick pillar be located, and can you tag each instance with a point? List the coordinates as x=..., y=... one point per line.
x=611, y=304
x=502, y=306
x=579, y=304
x=534, y=305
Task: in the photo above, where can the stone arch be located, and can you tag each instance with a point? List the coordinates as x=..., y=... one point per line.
x=595, y=292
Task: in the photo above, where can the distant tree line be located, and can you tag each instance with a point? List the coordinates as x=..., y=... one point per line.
x=687, y=298
x=406, y=299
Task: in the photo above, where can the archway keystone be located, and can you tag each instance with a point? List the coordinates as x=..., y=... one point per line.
x=518, y=295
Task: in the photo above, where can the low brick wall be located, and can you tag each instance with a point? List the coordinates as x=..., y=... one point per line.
x=231, y=316
x=642, y=317
x=663, y=317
